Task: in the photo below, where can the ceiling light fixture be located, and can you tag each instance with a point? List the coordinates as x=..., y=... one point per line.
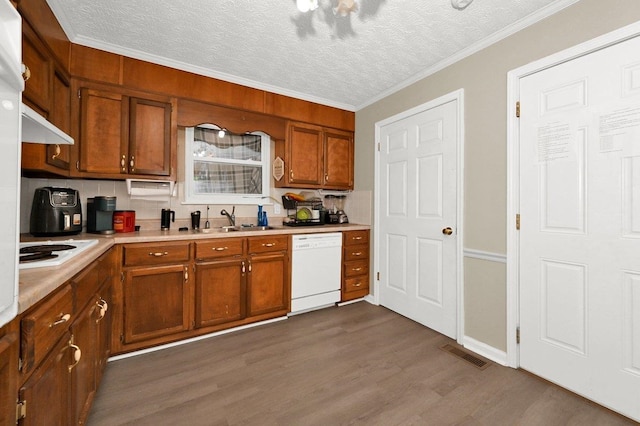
x=306, y=5
x=344, y=7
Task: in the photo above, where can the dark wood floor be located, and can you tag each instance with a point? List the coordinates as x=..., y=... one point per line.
x=357, y=364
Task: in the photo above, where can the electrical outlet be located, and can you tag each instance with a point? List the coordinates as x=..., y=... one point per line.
x=276, y=208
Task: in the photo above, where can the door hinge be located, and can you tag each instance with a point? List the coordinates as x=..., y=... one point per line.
x=378, y=276
x=122, y=338
x=79, y=94
x=518, y=109
x=21, y=410
x=518, y=335
x=378, y=146
x=518, y=221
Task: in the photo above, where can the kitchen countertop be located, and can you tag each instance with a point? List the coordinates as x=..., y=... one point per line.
x=37, y=283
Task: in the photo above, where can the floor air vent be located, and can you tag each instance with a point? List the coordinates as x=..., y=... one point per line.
x=460, y=353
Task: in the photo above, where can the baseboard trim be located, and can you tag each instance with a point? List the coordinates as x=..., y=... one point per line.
x=485, y=350
x=194, y=339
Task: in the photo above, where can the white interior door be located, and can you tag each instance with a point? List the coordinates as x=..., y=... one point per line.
x=417, y=231
x=580, y=225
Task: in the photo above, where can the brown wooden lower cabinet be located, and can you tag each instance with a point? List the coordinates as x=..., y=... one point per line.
x=9, y=353
x=63, y=337
x=223, y=283
x=355, y=264
x=91, y=332
x=83, y=374
x=46, y=392
x=267, y=284
x=220, y=292
x=156, y=302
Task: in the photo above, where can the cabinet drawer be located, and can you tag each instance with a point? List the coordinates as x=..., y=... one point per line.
x=356, y=267
x=223, y=247
x=43, y=326
x=268, y=243
x=88, y=282
x=155, y=253
x=359, y=283
x=356, y=237
x=356, y=252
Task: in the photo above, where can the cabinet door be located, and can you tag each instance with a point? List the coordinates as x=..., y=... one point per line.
x=9, y=374
x=47, y=390
x=268, y=284
x=103, y=132
x=304, y=151
x=104, y=303
x=60, y=116
x=83, y=378
x=149, y=137
x=220, y=292
x=156, y=302
x=35, y=57
x=338, y=160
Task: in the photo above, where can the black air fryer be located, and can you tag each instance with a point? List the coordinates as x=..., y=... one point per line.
x=55, y=211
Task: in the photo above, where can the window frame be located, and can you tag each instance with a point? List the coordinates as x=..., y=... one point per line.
x=190, y=197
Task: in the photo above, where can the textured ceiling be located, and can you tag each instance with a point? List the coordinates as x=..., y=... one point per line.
x=344, y=62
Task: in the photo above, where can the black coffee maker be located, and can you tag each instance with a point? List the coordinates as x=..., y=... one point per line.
x=100, y=214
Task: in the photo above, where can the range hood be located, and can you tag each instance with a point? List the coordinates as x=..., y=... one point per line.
x=35, y=129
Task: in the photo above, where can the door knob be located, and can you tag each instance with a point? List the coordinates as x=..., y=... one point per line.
x=447, y=231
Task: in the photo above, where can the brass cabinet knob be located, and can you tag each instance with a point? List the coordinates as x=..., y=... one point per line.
x=26, y=75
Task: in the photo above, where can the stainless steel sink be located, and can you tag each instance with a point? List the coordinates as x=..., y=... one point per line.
x=229, y=228
x=256, y=228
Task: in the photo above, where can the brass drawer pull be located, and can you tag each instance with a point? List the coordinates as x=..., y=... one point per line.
x=356, y=238
x=104, y=307
x=356, y=253
x=268, y=244
x=77, y=354
x=356, y=269
x=63, y=318
x=358, y=284
x=57, y=153
x=159, y=253
x=220, y=248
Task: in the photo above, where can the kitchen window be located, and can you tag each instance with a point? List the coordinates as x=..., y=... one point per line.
x=225, y=168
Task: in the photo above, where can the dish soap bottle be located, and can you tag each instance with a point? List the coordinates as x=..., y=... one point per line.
x=260, y=213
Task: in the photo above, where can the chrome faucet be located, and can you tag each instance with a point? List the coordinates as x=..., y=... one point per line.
x=231, y=217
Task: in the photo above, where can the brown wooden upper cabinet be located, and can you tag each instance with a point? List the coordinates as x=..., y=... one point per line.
x=47, y=91
x=316, y=157
x=125, y=133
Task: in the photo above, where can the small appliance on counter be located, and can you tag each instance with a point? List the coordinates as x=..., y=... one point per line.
x=100, y=214
x=55, y=211
x=335, y=209
x=166, y=217
x=124, y=220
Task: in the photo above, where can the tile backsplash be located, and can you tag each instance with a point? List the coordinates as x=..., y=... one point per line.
x=357, y=205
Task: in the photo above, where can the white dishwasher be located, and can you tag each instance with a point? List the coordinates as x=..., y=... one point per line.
x=316, y=265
